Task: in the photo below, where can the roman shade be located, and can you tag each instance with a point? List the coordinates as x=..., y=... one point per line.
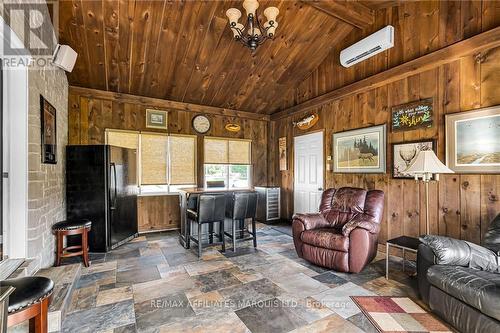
x=182, y=159
x=154, y=159
x=124, y=139
x=227, y=151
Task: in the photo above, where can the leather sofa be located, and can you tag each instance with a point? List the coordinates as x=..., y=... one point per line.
x=460, y=280
x=343, y=235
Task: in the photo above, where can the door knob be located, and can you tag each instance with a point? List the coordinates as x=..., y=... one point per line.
x=320, y=189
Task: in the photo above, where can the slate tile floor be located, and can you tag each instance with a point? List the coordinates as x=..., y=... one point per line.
x=152, y=284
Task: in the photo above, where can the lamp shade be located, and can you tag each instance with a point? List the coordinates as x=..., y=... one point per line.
x=233, y=15
x=250, y=6
x=270, y=13
x=427, y=162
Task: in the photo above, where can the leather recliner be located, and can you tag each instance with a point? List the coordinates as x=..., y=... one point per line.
x=343, y=235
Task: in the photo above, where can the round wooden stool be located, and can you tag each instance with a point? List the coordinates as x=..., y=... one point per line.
x=72, y=227
x=29, y=301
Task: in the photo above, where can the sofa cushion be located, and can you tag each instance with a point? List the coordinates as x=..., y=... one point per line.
x=479, y=289
x=327, y=238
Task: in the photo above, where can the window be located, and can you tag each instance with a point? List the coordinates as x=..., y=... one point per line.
x=227, y=163
x=165, y=162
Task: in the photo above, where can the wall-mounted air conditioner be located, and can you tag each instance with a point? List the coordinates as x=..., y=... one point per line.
x=367, y=47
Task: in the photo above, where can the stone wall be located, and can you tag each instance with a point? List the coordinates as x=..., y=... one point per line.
x=46, y=182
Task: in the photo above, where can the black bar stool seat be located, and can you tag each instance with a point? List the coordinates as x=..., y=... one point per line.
x=71, y=225
x=29, y=301
x=210, y=209
x=29, y=290
x=244, y=207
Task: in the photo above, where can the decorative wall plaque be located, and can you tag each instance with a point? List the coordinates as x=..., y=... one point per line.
x=412, y=115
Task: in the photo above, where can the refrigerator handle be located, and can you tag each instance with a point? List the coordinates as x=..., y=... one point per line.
x=113, y=200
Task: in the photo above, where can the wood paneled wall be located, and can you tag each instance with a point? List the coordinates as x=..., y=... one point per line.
x=462, y=205
x=90, y=116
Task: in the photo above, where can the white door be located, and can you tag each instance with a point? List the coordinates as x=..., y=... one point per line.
x=308, y=170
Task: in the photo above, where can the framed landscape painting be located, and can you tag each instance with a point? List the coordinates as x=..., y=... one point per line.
x=405, y=153
x=360, y=151
x=473, y=141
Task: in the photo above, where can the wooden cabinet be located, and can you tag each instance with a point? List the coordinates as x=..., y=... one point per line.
x=158, y=212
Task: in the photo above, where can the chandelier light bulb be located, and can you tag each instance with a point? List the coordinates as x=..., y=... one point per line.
x=250, y=6
x=233, y=15
x=271, y=13
x=271, y=29
x=235, y=31
x=256, y=32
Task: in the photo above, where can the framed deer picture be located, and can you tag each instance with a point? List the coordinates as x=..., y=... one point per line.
x=405, y=153
x=360, y=151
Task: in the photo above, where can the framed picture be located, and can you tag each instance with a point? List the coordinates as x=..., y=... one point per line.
x=412, y=115
x=473, y=141
x=405, y=153
x=360, y=151
x=49, y=131
x=282, y=153
x=156, y=119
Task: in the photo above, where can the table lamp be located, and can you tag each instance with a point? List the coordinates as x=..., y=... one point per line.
x=426, y=165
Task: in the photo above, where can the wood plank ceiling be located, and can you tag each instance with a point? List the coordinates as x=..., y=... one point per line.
x=183, y=50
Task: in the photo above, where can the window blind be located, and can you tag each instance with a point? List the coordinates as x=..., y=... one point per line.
x=154, y=159
x=182, y=159
x=216, y=151
x=227, y=151
x=123, y=139
x=239, y=152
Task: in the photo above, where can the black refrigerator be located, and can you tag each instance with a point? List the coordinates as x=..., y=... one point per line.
x=102, y=187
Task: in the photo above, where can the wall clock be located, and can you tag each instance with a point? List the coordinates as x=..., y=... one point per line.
x=201, y=124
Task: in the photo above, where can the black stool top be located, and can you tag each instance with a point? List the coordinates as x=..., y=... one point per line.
x=71, y=225
x=29, y=290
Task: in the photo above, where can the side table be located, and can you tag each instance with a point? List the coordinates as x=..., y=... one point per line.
x=404, y=243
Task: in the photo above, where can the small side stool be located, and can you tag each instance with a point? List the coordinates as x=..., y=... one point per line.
x=72, y=227
x=29, y=301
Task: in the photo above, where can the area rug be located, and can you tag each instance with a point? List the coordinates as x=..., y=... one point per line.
x=398, y=314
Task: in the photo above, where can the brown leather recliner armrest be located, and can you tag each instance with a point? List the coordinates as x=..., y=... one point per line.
x=311, y=221
x=361, y=221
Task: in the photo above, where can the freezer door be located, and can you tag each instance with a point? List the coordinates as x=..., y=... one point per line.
x=122, y=194
x=87, y=192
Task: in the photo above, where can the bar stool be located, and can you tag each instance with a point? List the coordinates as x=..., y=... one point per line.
x=210, y=209
x=72, y=227
x=29, y=301
x=244, y=207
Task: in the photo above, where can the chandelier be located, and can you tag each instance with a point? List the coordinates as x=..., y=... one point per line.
x=252, y=34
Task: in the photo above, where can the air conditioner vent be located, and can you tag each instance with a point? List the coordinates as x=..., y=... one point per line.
x=368, y=47
x=364, y=54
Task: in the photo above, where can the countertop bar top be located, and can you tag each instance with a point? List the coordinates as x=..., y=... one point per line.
x=214, y=190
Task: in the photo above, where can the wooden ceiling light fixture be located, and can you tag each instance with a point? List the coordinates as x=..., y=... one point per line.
x=252, y=34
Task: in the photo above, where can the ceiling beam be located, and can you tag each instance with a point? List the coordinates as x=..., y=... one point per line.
x=352, y=12
x=476, y=44
x=163, y=103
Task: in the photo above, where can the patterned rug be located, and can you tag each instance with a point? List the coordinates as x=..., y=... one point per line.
x=398, y=314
